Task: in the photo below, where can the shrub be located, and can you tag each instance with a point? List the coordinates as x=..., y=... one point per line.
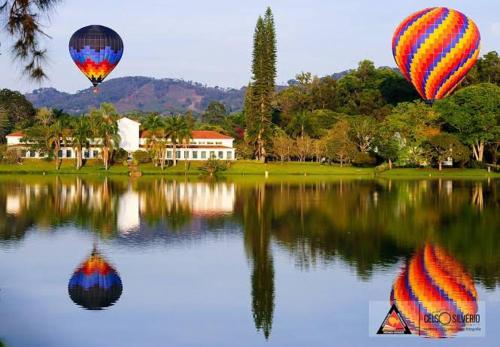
x=213, y=166
x=141, y=157
x=12, y=156
x=364, y=159
x=120, y=156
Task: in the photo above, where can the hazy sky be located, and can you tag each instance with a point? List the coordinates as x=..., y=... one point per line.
x=211, y=41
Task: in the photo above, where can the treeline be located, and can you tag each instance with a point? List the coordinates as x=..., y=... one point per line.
x=372, y=115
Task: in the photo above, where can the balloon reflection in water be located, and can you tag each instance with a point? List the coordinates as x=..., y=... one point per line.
x=95, y=284
x=432, y=289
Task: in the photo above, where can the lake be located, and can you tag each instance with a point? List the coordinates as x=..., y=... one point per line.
x=248, y=262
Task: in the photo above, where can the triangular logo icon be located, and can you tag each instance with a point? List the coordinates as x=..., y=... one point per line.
x=393, y=323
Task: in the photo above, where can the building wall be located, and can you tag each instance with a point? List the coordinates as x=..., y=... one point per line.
x=129, y=134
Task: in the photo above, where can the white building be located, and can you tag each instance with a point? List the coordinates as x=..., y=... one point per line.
x=204, y=144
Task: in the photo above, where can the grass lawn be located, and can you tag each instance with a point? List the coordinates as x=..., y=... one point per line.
x=241, y=168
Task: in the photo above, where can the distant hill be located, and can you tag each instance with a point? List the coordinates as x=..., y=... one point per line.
x=141, y=94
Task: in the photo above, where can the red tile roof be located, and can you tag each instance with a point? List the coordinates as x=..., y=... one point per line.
x=17, y=134
x=199, y=134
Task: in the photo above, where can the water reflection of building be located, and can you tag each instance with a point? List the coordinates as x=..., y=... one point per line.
x=128, y=219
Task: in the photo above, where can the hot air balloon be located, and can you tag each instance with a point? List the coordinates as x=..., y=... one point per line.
x=435, y=49
x=95, y=284
x=96, y=50
x=432, y=288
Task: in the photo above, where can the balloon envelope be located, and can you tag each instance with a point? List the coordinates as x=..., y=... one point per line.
x=96, y=50
x=435, y=49
x=95, y=284
x=433, y=282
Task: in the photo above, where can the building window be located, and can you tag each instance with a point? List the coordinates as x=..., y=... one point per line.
x=210, y=143
x=221, y=155
x=212, y=155
x=218, y=143
x=86, y=154
x=195, y=154
x=229, y=155
x=178, y=154
x=169, y=154
x=59, y=153
x=68, y=153
x=95, y=154
x=32, y=154
x=186, y=155
x=203, y=155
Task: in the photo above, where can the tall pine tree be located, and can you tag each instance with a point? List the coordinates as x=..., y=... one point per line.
x=258, y=99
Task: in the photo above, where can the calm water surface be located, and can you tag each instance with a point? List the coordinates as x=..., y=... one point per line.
x=156, y=262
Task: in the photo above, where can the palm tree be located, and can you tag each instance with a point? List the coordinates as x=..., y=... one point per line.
x=156, y=142
x=80, y=134
x=57, y=135
x=175, y=130
x=186, y=135
x=104, y=129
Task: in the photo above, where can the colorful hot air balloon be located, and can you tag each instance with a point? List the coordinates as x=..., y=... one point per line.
x=432, y=288
x=96, y=50
x=95, y=284
x=434, y=49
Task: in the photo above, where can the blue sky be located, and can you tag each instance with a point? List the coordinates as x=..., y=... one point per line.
x=210, y=41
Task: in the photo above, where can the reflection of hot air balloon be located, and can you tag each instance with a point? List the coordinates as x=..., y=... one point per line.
x=96, y=50
x=434, y=49
x=95, y=284
x=432, y=291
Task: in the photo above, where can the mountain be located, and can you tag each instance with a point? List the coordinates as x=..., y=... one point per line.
x=140, y=94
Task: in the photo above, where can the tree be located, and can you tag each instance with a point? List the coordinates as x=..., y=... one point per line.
x=338, y=144
x=4, y=123
x=486, y=70
x=444, y=146
x=215, y=113
x=412, y=123
x=473, y=113
x=303, y=147
x=259, y=96
x=44, y=116
x=175, y=130
x=104, y=128
x=57, y=135
x=22, y=21
x=362, y=131
x=80, y=135
x=282, y=146
x=155, y=138
x=387, y=144
x=19, y=110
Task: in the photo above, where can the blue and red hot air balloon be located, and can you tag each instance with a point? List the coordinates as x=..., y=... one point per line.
x=96, y=50
x=95, y=284
x=435, y=49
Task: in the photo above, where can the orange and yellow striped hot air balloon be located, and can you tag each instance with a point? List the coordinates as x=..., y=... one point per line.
x=433, y=292
x=435, y=49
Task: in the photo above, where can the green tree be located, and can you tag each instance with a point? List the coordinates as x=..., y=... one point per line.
x=473, y=113
x=80, y=136
x=175, y=130
x=362, y=131
x=19, y=110
x=486, y=70
x=21, y=19
x=44, y=116
x=444, y=146
x=104, y=127
x=413, y=123
x=155, y=138
x=258, y=99
x=215, y=113
x=4, y=123
x=339, y=146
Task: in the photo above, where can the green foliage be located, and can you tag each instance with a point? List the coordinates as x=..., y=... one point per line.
x=11, y=156
x=486, y=70
x=215, y=113
x=363, y=159
x=258, y=99
x=120, y=156
x=473, y=113
x=141, y=157
x=213, y=166
x=20, y=112
x=445, y=146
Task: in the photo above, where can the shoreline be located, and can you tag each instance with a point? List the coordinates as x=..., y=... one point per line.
x=245, y=168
